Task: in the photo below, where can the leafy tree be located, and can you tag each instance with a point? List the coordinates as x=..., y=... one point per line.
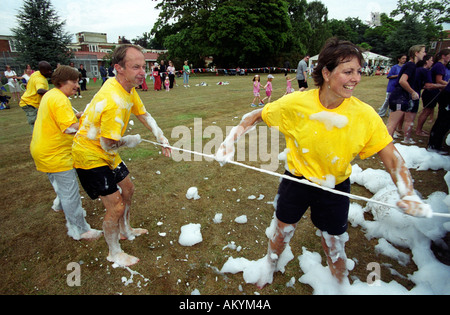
x=268, y=32
x=409, y=33
x=181, y=29
x=430, y=14
x=296, y=45
x=376, y=36
x=40, y=35
x=317, y=16
x=235, y=33
x=248, y=33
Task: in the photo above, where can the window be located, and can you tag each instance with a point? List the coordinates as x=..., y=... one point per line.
x=93, y=48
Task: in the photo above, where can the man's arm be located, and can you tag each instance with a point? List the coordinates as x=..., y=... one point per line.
x=150, y=123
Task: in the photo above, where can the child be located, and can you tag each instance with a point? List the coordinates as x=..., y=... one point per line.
x=256, y=89
x=268, y=88
x=167, y=84
x=289, y=88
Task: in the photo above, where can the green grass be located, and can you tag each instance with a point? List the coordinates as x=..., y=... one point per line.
x=35, y=249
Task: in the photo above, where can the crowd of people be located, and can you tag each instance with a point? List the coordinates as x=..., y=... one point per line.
x=164, y=77
x=419, y=76
x=325, y=129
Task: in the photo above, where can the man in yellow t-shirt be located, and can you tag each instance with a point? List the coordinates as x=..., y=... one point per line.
x=102, y=128
x=37, y=86
x=51, y=149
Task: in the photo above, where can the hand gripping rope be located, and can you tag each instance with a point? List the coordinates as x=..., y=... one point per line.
x=301, y=181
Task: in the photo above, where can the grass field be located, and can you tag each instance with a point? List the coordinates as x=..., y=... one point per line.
x=35, y=250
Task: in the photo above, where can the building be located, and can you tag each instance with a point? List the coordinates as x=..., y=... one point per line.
x=91, y=49
x=443, y=43
x=8, y=54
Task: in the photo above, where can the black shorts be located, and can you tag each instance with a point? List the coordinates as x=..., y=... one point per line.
x=408, y=107
x=329, y=212
x=102, y=181
x=302, y=84
x=430, y=98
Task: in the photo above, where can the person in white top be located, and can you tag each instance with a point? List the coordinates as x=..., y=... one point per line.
x=13, y=83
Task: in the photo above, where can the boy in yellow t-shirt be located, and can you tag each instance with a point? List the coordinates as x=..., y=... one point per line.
x=102, y=128
x=37, y=86
x=51, y=149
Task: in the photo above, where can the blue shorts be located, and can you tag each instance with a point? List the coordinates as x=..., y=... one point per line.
x=329, y=212
x=102, y=181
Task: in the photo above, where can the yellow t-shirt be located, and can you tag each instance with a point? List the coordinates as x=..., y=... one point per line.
x=31, y=97
x=322, y=143
x=106, y=116
x=50, y=147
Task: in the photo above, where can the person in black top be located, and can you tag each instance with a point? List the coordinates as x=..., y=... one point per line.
x=83, y=77
x=401, y=100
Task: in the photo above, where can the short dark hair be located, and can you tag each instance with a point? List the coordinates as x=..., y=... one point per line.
x=443, y=52
x=120, y=53
x=333, y=53
x=64, y=73
x=421, y=63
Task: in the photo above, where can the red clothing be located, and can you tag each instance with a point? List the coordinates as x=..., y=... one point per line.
x=157, y=85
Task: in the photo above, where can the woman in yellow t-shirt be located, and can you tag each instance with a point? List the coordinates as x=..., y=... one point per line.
x=51, y=149
x=325, y=129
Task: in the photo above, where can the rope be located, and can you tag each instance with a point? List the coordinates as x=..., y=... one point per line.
x=301, y=181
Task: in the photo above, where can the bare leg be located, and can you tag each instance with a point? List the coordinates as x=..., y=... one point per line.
x=421, y=121
x=126, y=230
x=394, y=120
x=277, y=244
x=334, y=247
x=408, y=126
x=115, y=210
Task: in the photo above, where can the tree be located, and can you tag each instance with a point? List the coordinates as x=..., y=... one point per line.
x=40, y=35
x=430, y=14
x=248, y=33
x=235, y=33
x=296, y=46
x=317, y=16
x=376, y=36
x=409, y=33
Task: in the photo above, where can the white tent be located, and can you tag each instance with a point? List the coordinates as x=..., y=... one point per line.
x=375, y=59
x=370, y=57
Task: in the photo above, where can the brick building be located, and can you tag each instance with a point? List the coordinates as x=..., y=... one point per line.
x=441, y=44
x=91, y=50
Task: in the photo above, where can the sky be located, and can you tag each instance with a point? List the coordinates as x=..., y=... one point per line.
x=118, y=18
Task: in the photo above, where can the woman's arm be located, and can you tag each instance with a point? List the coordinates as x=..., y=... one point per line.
x=248, y=122
x=409, y=202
